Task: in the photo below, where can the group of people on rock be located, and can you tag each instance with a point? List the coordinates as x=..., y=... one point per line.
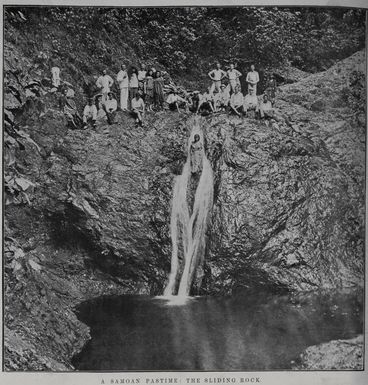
x=224, y=94
x=143, y=91
x=139, y=92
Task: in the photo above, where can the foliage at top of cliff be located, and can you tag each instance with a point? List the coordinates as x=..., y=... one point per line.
x=187, y=40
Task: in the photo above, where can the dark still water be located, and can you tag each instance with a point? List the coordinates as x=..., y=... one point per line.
x=207, y=333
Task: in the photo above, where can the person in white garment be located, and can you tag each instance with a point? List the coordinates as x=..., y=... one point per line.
x=216, y=75
x=123, y=81
x=138, y=108
x=252, y=79
x=90, y=114
x=55, y=75
x=111, y=105
x=250, y=101
x=233, y=76
x=237, y=102
x=104, y=83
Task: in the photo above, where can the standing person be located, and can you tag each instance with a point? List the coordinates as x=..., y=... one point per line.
x=149, y=89
x=138, y=108
x=104, y=83
x=216, y=75
x=252, y=79
x=133, y=84
x=142, y=77
x=237, y=101
x=90, y=114
x=55, y=76
x=206, y=102
x=271, y=88
x=123, y=81
x=63, y=98
x=158, y=90
x=233, y=75
x=111, y=105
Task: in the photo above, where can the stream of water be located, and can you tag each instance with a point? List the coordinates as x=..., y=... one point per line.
x=242, y=332
x=188, y=225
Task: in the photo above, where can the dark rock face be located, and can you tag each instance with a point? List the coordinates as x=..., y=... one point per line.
x=289, y=208
x=334, y=355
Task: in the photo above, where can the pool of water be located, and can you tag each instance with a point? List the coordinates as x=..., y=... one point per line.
x=242, y=332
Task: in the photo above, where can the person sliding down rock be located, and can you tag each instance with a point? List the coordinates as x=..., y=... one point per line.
x=111, y=106
x=196, y=155
x=138, y=109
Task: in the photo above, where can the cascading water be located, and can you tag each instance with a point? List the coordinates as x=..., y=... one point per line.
x=189, y=230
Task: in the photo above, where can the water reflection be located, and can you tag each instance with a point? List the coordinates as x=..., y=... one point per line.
x=232, y=333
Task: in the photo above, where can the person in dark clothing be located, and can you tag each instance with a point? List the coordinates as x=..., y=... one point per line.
x=158, y=90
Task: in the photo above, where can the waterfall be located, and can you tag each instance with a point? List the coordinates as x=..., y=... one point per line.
x=189, y=230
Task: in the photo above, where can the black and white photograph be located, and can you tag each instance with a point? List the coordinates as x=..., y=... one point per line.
x=183, y=189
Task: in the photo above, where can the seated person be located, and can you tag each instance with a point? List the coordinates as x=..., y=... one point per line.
x=111, y=105
x=267, y=111
x=189, y=100
x=222, y=99
x=174, y=101
x=250, y=101
x=236, y=102
x=193, y=101
x=74, y=120
x=101, y=114
x=90, y=114
x=138, y=108
x=265, y=107
x=206, y=102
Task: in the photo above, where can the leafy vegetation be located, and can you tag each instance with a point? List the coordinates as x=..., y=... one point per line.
x=189, y=40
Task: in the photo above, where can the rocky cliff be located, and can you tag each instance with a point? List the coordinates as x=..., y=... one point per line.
x=88, y=211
